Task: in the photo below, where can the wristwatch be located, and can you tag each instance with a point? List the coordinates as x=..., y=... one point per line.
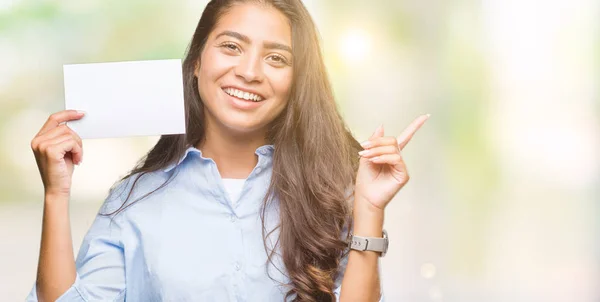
x=370, y=243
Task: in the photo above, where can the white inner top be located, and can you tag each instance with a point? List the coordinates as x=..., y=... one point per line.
x=233, y=187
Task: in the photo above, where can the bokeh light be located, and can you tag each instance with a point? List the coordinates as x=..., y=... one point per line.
x=355, y=45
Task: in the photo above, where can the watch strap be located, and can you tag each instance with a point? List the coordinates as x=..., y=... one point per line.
x=375, y=244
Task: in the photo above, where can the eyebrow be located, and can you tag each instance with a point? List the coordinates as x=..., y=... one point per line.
x=246, y=39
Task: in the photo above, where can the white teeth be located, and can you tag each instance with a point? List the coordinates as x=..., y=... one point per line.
x=242, y=94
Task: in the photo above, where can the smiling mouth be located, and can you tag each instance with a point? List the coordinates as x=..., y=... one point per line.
x=244, y=95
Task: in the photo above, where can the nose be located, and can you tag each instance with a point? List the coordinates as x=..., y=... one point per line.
x=250, y=68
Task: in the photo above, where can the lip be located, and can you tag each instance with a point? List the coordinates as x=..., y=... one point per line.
x=245, y=90
x=241, y=103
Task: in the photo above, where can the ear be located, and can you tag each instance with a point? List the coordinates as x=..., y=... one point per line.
x=197, y=67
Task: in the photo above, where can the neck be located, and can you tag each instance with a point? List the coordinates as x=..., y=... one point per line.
x=233, y=153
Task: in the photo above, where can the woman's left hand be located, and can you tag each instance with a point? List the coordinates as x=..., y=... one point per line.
x=382, y=171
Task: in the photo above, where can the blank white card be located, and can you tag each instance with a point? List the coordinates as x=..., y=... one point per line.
x=126, y=98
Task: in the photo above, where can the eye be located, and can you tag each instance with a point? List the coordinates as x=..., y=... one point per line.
x=279, y=59
x=230, y=46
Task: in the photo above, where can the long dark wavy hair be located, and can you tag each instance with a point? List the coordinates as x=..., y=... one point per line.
x=314, y=161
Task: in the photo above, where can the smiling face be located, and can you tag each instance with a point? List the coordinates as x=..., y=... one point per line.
x=245, y=74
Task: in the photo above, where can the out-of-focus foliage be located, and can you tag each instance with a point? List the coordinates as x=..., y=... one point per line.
x=502, y=200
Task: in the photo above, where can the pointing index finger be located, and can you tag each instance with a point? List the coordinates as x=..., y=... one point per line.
x=408, y=133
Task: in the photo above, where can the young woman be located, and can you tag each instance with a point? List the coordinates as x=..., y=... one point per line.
x=255, y=202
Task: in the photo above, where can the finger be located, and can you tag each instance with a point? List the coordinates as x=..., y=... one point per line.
x=408, y=133
x=45, y=145
x=394, y=159
x=54, y=133
x=379, y=141
x=378, y=132
x=77, y=157
x=75, y=136
x=72, y=147
x=48, y=136
x=77, y=153
x=52, y=148
x=377, y=151
x=58, y=151
x=57, y=118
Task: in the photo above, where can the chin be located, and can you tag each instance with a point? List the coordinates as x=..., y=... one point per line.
x=240, y=126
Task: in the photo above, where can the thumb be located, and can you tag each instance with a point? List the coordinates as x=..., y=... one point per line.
x=378, y=132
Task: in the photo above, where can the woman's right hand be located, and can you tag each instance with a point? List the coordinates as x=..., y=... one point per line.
x=56, y=148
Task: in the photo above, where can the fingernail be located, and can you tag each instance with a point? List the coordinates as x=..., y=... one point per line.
x=366, y=144
x=81, y=112
x=363, y=152
x=428, y=115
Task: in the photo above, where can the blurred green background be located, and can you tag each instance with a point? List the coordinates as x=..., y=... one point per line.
x=504, y=195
